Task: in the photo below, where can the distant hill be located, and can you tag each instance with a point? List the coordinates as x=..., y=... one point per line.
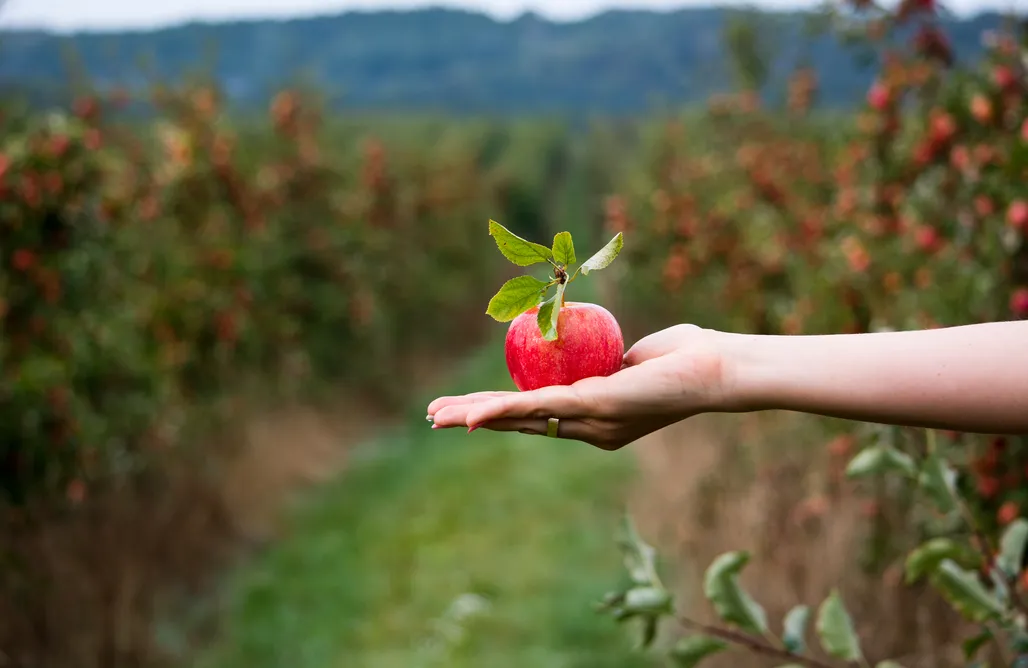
x=453, y=61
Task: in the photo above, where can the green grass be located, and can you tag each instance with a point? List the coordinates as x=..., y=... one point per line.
x=374, y=562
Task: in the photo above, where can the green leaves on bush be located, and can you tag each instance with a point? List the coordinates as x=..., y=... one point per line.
x=835, y=628
x=645, y=598
x=690, y=650
x=880, y=459
x=926, y=558
x=1011, y=548
x=938, y=479
x=730, y=601
x=521, y=294
x=794, y=629
x=965, y=592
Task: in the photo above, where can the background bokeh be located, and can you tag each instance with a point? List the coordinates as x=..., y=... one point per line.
x=238, y=258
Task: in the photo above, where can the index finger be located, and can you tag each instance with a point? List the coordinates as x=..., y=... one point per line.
x=561, y=401
x=473, y=397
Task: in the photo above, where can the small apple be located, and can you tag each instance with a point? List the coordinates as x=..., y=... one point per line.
x=1017, y=214
x=879, y=97
x=551, y=341
x=590, y=344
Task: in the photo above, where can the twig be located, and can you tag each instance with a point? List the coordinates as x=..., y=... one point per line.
x=755, y=645
x=990, y=553
x=984, y=544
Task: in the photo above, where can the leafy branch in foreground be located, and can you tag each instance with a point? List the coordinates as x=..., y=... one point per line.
x=526, y=292
x=953, y=567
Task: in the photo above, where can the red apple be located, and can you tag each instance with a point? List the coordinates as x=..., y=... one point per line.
x=589, y=343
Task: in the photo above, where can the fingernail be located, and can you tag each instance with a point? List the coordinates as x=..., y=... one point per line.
x=435, y=426
x=429, y=418
x=471, y=429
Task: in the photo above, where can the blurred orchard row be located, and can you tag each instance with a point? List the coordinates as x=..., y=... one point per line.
x=911, y=213
x=150, y=267
x=147, y=268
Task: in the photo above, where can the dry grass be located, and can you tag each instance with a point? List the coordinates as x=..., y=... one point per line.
x=84, y=587
x=768, y=484
x=87, y=587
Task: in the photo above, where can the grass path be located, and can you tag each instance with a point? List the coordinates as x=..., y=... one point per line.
x=439, y=548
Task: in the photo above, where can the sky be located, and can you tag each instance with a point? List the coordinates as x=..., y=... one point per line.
x=65, y=15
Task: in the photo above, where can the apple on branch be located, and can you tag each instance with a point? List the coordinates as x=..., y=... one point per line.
x=552, y=341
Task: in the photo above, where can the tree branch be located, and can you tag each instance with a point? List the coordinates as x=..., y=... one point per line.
x=752, y=643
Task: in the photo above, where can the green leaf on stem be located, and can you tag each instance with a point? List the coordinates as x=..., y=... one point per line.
x=965, y=593
x=604, y=256
x=939, y=481
x=1011, y=547
x=835, y=628
x=640, y=558
x=794, y=629
x=721, y=587
x=649, y=632
x=549, y=314
x=927, y=557
x=690, y=650
x=878, y=459
x=515, y=297
x=647, y=600
x=519, y=251
x=888, y=663
x=975, y=643
x=563, y=249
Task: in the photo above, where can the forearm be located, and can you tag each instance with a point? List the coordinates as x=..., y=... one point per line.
x=972, y=378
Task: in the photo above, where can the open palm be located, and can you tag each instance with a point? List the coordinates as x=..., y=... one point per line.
x=666, y=377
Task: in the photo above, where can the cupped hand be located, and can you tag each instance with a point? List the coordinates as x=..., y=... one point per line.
x=666, y=377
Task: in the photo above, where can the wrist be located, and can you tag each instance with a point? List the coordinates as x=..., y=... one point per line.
x=750, y=372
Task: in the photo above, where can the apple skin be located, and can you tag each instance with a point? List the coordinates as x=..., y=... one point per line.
x=589, y=343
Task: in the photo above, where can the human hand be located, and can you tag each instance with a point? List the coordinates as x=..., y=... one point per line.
x=666, y=377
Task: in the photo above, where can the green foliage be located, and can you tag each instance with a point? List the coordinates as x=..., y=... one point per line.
x=927, y=557
x=605, y=255
x=521, y=294
x=515, y=297
x=549, y=313
x=879, y=459
x=967, y=594
x=519, y=251
x=563, y=249
x=794, y=629
x=732, y=603
x=835, y=628
x=690, y=650
x=1012, y=548
x=142, y=281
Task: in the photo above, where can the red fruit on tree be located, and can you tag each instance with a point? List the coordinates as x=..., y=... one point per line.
x=1007, y=513
x=550, y=341
x=879, y=97
x=589, y=344
x=1004, y=77
x=981, y=109
x=23, y=259
x=943, y=127
x=1019, y=302
x=1017, y=214
x=927, y=238
x=988, y=487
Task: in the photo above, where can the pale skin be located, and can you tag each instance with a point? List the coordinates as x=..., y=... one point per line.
x=972, y=378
